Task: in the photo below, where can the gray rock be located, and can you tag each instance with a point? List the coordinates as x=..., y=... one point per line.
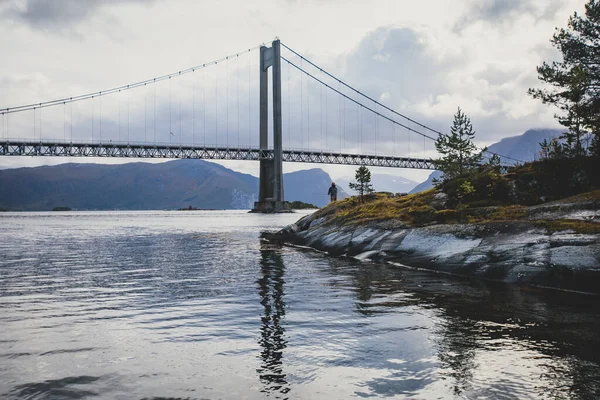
x=518, y=252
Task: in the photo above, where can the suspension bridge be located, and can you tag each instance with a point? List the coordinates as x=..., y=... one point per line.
x=325, y=120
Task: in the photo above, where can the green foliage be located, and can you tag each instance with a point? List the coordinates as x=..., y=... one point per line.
x=363, y=182
x=553, y=179
x=466, y=188
x=594, y=148
x=459, y=154
x=61, y=209
x=574, y=84
x=494, y=161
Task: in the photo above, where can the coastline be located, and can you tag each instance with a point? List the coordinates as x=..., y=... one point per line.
x=541, y=250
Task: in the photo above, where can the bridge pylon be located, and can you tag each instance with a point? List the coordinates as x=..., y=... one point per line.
x=270, y=194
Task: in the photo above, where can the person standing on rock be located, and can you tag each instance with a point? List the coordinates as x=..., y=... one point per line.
x=332, y=192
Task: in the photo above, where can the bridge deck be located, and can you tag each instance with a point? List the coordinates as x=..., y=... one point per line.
x=145, y=150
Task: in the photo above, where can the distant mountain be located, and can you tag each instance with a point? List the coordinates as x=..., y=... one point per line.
x=145, y=186
x=383, y=183
x=309, y=186
x=525, y=147
x=428, y=184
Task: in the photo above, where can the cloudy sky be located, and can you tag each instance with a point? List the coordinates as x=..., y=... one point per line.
x=423, y=59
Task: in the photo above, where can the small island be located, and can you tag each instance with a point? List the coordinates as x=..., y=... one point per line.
x=299, y=205
x=61, y=208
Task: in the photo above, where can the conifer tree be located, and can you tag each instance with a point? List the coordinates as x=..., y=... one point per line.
x=459, y=154
x=574, y=82
x=363, y=182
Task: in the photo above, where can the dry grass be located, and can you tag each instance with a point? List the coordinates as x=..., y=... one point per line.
x=509, y=213
x=559, y=225
x=413, y=209
x=588, y=196
x=418, y=210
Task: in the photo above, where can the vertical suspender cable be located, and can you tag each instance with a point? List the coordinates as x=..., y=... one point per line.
x=393, y=132
x=227, y=103
x=64, y=122
x=376, y=129
x=146, y=114
x=204, y=105
x=154, y=114
x=326, y=119
x=249, y=99
x=358, y=108
x=288, y=106
x=194, y=110
x=216, y=107
x=119, y=103
x=308, y=114
x=301, y=108
x=237, y=95
x=321, y=113
x=34, y=121
x=170, y=126
x=100, y=117
x=344, y=118
x=180, y=131
x=237, y=78
x=340, y=117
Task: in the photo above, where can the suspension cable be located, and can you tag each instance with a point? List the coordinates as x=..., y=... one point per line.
x=10, y=110
x=374, y=111
x=359, y=92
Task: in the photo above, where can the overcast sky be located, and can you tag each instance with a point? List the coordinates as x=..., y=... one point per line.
x=423, y=59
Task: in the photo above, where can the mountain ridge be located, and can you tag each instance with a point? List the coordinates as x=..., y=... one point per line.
x=144, y=186
x=523, y=147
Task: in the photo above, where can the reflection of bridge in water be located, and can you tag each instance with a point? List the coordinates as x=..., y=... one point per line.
x=272, y=334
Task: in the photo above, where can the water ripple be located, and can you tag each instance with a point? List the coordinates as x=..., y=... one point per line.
x=163, y=305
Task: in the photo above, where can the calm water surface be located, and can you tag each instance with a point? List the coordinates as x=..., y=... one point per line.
x=132, y=305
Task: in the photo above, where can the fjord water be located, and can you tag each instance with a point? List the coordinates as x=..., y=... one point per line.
x=195, y=305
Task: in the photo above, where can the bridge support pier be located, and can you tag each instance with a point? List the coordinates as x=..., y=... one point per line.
x=270, y=194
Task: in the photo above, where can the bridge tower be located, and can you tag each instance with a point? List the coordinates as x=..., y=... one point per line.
x=270, y=194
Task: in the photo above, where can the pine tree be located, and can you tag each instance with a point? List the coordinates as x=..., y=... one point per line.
x=459, y=154
x=575, y=81
x=363, y=182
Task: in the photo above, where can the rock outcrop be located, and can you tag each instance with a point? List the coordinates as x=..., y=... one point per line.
x=532, y=251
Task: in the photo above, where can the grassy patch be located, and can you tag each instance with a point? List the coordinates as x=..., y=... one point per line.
x=414, y=209
x=422, y=209
x=559, y=225
x=509, y=213
x=588, y=196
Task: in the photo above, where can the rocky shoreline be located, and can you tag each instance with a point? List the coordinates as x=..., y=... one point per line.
x=528, y=251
